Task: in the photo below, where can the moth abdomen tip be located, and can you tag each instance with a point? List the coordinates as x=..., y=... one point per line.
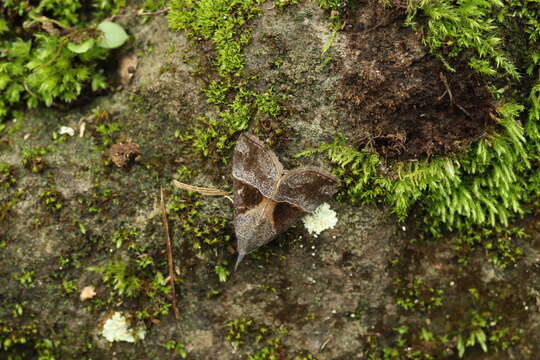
x=239, y=260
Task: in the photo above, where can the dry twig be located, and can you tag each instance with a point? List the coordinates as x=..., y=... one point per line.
x=200, y=190
x=169, y=253
x=152, y=13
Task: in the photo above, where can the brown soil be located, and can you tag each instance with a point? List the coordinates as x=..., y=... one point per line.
x=403, y=101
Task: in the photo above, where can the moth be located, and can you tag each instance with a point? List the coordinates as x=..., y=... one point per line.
x=269, y=199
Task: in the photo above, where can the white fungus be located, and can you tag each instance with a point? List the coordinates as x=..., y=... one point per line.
x=321, y=219
x=117, y=329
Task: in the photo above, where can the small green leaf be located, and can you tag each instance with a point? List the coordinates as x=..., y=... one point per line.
x=460, y=346
x=4, y=27
x=113, y=35
x=82, y=47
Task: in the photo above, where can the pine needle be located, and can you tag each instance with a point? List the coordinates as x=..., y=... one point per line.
x=169, y=253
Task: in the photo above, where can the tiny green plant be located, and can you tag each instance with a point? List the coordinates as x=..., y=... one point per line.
x=222, y=272
x=34, y=160
x=26, y=278
x=7, y=176
x=69, y=286
x=237, y=330
x=179, y=349
x=51, y=199
x=120, y=277
x=123, y=236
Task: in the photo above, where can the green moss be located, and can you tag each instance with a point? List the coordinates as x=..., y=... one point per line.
x=153, y=5
x=51, y=199
x=475, y=330
x=333, y=4
x=271, y=351
x=498, y=244
x=25, y=278
x=221, y=21
x=205, y=232
x=222, y=272
x=98, y=199
x=268, y=103
x=37, y=62
x=7, y=176
x=106, y=134
x=33, y=159
x=230, y=33
x=120, y=277
x=454, y=27
x=417, y=296
x=8, y=203
x=237, y=331
x=284, y=3
x=179, y=349
x=124, y=236
x=25, y=342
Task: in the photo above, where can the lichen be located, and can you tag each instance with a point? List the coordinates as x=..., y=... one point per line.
x=323, y=218
x=117, y=329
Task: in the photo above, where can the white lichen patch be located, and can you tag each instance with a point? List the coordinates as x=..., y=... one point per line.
x=117, y=329
x=321, y=219
x=66, y=130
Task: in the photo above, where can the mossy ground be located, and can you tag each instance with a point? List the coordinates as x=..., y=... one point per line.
x=370, y=287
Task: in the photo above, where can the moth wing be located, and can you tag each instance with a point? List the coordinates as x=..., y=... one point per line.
x=260, y=224
x=286, y=215
x=255, y=165
x=252, y=231
x=306, y=187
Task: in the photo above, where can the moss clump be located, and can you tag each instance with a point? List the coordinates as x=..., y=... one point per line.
x=417, y=295
x=7, y=176
x=226, y=24
x=238, y=330
x=47, y=51
x=498, y=243
x=51, y=199
x=24, y=342
x=33, y=159
x=454, y=27
x=221, y=21
x=135, y=277
x=470, y=320
x=204, y=232
x=7, y=203
x=120, y=277
x=490, y=182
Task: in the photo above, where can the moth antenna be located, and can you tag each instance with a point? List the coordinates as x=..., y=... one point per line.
x=239, y=260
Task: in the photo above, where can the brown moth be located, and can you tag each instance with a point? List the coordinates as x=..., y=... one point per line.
x=269, y=199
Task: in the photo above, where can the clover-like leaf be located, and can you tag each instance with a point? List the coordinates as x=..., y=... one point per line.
x=82, y=47
x=113, y=35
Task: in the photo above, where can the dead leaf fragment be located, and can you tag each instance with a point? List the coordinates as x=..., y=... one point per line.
x=126, y=68
x=50, y=28
x=122, y=153
x=88, y=292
